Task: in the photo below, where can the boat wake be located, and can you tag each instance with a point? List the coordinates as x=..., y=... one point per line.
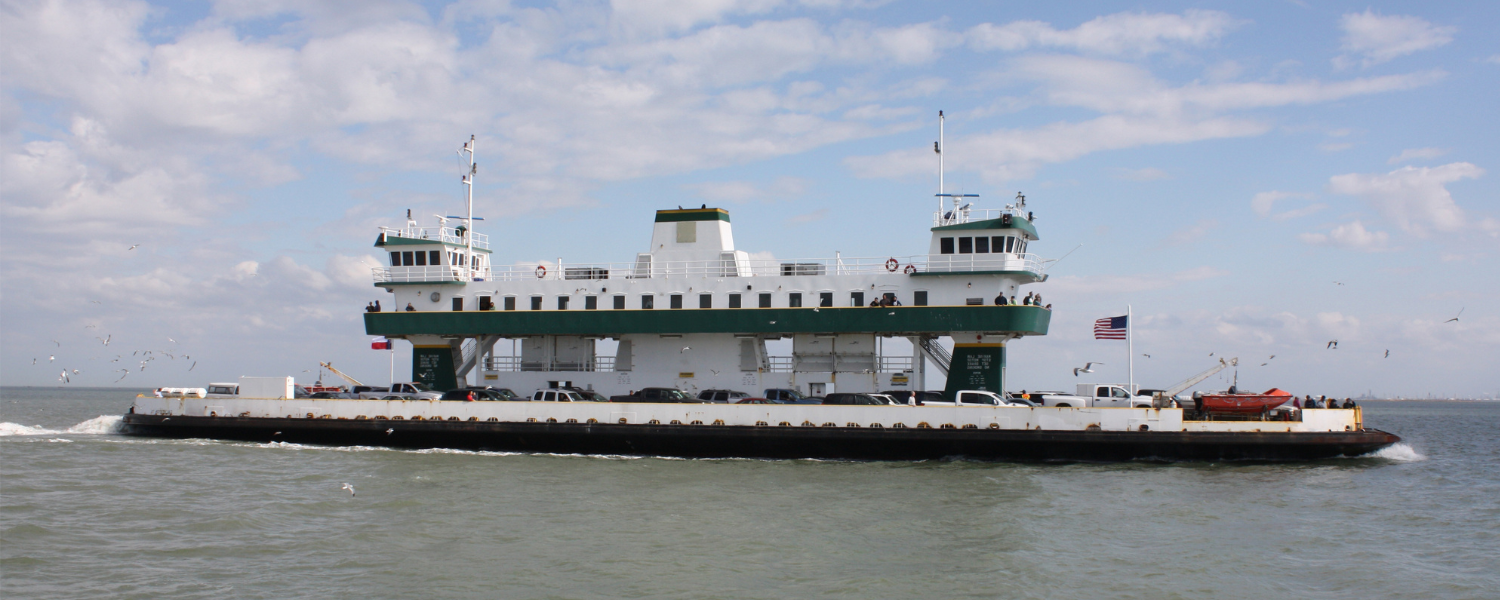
x=102, y=424
x=1398, y=452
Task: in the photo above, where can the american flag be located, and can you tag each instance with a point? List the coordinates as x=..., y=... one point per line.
x=1110, y=328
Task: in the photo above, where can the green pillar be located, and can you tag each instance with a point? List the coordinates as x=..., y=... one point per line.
x=433, y=365
x=975, y=367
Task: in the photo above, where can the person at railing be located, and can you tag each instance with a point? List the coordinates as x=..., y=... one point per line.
x=1036, y=300
x=1348, y=403
x=1000, y=300
x=369, y=307
x=410, y=308
x=1048, y=307
x=875, y=302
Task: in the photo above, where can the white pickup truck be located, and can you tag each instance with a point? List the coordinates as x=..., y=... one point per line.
x=408, y=391
x=1096, y=395
x=978, y=398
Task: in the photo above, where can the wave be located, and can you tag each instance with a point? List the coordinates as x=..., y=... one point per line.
x=1399, y=452
x=102, y=424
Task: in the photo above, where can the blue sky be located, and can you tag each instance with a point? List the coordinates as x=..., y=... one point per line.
x=1253, y=179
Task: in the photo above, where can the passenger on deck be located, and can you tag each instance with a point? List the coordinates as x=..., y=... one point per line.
x=1000, y=300
x=410, y=308
x=1349, y=403
x=1297, y=404
x=1048, y=307
x=377, y=306
x=1012, y=299
x=369, y=307
x=875, y=302
x=1036, y=300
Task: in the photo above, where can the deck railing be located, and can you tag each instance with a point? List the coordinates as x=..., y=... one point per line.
x=430, y=274
x=438, y=234
x=646, y=269
x=516, y=364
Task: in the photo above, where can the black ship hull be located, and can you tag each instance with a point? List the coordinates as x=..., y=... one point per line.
x=700, y=441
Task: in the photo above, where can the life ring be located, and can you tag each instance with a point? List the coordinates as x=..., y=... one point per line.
x=541, y=271
x=892, y=264
x=911, y=269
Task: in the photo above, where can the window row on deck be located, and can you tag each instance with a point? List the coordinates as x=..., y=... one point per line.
x=982, y=245
x=422, y=258
x=705, y=300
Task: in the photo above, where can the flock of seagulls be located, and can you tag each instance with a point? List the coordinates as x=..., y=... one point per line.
x=66, y=375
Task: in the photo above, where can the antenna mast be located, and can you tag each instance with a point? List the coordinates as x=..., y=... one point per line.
x=938, y=148
x=469, y=223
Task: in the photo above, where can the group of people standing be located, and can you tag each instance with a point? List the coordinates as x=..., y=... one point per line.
x=1031, y=299
x=1322, y=402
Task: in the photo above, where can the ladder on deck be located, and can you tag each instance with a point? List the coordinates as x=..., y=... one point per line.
x=939, y=355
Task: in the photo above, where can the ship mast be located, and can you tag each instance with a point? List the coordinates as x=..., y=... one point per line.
x=938, y=148
x=469, y=222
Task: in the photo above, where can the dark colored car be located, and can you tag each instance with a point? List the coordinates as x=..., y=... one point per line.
x=852, y=400
x=665, y=395
x=785, y=395
x=759, y=401
x=334, y=396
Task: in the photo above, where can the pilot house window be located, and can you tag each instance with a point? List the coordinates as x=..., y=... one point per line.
x=435, y=257
x=945, y=246
x=965, y=245
x=981, y=245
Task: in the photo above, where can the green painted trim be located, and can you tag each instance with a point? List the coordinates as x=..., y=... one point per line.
x=1025, y=320
x=692, y=214
x=386, y=283
x=1015, y=223
x=1034, y=276
x=401, y=241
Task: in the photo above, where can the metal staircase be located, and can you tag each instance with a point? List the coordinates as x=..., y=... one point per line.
x=937, y=353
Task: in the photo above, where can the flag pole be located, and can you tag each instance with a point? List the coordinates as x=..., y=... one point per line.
x=1130, y=345
x=392, y=348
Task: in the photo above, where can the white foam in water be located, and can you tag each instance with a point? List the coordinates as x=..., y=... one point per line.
x=1399, y=453
x=9, y=429
x=97, y=425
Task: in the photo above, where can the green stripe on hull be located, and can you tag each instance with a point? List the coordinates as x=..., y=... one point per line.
x=1024, y=320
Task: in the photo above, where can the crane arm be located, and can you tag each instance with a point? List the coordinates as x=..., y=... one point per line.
x=351, y=380
x=1196, y=379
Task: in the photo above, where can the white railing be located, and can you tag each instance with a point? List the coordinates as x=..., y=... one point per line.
x=641, y=269
x=515, y=364
x=895, y=364
x=438, y=234
x=429, y=274
x=959, y=217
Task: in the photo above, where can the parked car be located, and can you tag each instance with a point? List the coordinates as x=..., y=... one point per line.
x=556, y=396
x=668, y=395
x=759, y=401
x=853, y=400
x=590, y=395
x=887, y=399
x=785, y=395
x=905, y=396
x=721, y=396
x=333, y=396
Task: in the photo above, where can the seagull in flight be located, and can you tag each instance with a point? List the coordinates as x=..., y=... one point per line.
x=684, y=349
x=1145, y=355
x=1332, y=345
x=1087, y=367
x=1455, y=317
x=133, y=247
x=51, y=357
x=195, y=364
x=105, y=340
x=390, y=431
x=122, y=375
x=350, y=488
x=1387, y=354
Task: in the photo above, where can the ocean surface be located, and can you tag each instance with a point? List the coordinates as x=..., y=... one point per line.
x=88, y=513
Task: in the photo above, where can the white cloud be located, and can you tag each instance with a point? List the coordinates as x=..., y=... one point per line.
x=1493, y=59
x=1146, y=174
x=1352, y=236
x=1415, y=154
x=1297, y=213
x=1378, y=38
x=1120, y=33
x=1415, y=199
x=1263, y=202
x=1191, y=233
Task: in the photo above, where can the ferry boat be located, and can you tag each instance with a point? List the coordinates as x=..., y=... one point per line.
x=694, y=312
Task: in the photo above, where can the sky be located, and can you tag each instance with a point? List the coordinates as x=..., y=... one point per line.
x=205, y=179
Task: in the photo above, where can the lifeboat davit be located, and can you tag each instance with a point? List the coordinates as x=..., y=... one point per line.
x=1246, y=403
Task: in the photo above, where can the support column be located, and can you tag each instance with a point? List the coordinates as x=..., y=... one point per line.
x=976, y=366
